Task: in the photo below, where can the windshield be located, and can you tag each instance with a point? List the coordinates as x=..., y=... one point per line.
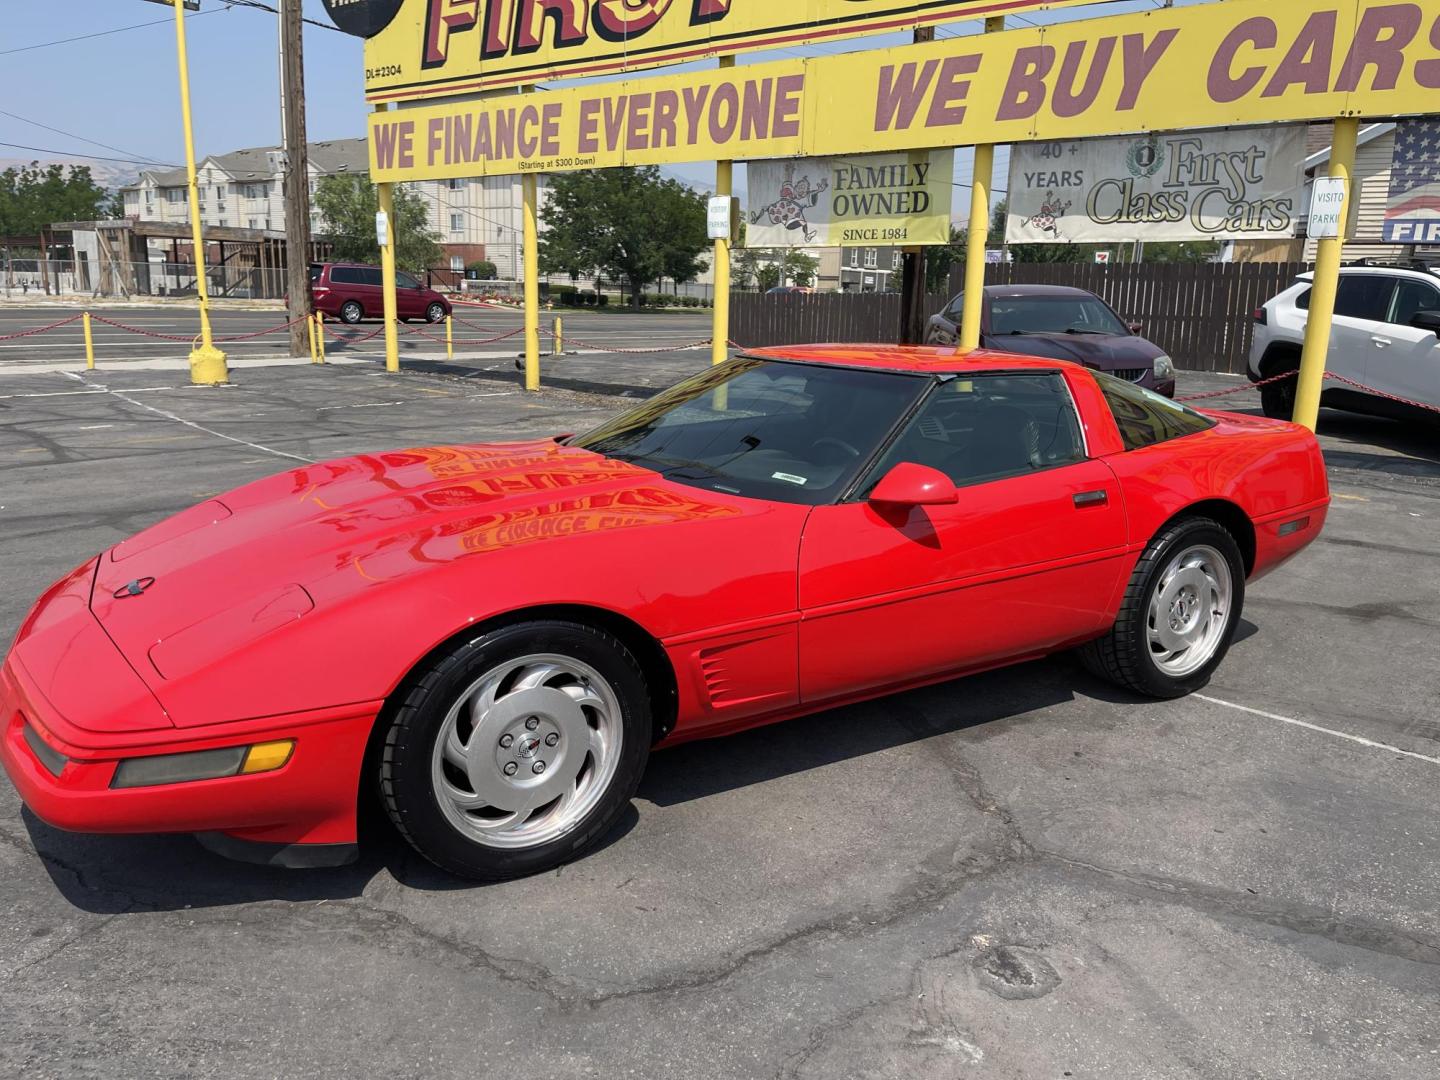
x=766, y=429
x=1053, y=315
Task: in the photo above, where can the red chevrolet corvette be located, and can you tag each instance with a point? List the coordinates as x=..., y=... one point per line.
x=493, y=638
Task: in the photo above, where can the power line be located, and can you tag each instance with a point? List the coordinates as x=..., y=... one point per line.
x=85, y=157
x=274, y=11
x=103, y=33
x=82, y=138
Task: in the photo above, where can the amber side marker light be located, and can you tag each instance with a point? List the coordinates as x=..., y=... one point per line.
x=203, y=765
x=1294, y=526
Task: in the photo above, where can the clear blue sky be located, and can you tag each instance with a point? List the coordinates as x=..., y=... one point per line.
x=120, y=88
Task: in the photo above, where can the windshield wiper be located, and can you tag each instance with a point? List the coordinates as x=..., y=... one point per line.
x=1095, y=333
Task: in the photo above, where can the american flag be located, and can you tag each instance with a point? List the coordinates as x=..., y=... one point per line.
x=1413, y=215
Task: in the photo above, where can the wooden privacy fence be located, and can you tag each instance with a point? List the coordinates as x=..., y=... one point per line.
x=1199, y=313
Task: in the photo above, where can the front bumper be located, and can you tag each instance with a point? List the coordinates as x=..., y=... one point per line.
x=311, y=800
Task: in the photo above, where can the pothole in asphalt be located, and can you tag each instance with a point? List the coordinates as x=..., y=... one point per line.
x=1015, y=973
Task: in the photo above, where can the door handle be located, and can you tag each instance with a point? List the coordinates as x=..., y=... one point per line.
x=1091, y=498
x=1382, y=343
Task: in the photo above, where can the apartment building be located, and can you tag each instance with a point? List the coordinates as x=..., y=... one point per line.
x=243, y=189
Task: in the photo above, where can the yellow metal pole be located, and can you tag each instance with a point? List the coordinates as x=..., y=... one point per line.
x=1327, y=280
x=387, y=279
x=720, y=327
x=975, y=248
x=557, y=337
x=320, y=333
x=314, y=351
x=207, y=363
x=89, y=344
x=530, y=187
x=449, y=337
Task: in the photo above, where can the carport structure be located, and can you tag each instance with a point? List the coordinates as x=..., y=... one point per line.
x=113, y=258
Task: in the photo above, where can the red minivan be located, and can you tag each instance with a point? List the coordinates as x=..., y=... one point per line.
x=351, y=293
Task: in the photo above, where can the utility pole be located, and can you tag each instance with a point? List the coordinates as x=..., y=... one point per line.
x=297, y=174
x=912, y=273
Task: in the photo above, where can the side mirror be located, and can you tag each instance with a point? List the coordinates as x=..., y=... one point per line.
x=1426, y=320
x=1136, y=328
x=909, y=484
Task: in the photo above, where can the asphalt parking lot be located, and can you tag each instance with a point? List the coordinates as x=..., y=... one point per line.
x=1024, y=874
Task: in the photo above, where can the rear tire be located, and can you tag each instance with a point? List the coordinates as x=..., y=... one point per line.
x=351, y=312
x=1277, y=400
x=518, y=750
x=1178, y=615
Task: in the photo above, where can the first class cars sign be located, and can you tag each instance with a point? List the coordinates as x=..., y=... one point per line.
x=1238, y=63
x=1240, y=183
x=440, y=47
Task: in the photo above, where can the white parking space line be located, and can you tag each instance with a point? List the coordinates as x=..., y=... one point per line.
x=1371, y=743
x=193, y=424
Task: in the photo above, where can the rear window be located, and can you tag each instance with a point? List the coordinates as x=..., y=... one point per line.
x=1146, y=418
x=315, y=272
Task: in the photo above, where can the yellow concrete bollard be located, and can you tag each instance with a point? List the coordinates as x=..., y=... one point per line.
x=314, y=350
x=89, y=344
x=558, y=335
x=449, y=337
x=320, y=333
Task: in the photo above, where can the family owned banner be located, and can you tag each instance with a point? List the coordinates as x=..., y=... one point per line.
x=901, y=199
x=1241, y=183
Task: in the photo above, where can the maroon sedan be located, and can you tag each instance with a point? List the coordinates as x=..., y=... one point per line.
x=1063, y=324
x=351, y=293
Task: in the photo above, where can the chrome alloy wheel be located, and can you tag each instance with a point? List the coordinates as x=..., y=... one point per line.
x=1189, y=611
x=527, y=751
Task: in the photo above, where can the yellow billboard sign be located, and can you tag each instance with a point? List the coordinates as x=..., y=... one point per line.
x=1242, y=62
x=433, y=48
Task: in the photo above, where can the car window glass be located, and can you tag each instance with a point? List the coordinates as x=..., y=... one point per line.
x=1053, y=315
x=791, y=432
x=989, y=427
x=370, y=275
x=1364, y=296
x=344, y=275
x=315, y=272
x=1145, y=418
x=956, y=309
x=405, y=281
x=1411, y=298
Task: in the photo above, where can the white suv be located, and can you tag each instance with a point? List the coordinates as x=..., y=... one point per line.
x=1384, y=335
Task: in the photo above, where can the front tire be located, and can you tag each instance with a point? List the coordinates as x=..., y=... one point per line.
x=1179, y=613
x=518, y=750
x=435, y=313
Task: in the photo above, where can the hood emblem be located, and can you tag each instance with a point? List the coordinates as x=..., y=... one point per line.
x=134, y=588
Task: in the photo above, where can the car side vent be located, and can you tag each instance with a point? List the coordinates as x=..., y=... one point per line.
x=715, y=668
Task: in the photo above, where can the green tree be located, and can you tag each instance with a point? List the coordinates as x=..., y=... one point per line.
x=767, y=276
x=631, y=224
x=34, y=197
x=800, y=268
x=484, y=270
x=348, y=205
x=745, y=262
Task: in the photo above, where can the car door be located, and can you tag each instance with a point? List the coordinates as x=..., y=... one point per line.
x=1026, y=561
x=409, y=299
x=1405, y=359
x=371, y=292
x=1362, y=302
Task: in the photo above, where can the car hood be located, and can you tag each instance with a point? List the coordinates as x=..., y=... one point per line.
x=211, y=580
x=1106, y=353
